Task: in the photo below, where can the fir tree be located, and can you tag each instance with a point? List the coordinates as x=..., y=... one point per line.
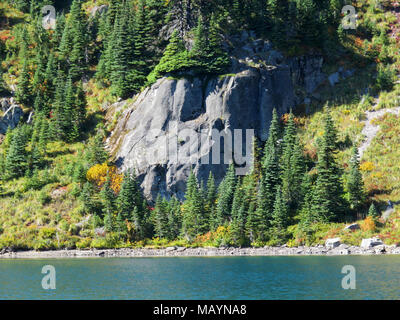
x=121, y=56
x=161, y=222
x=24, y=90
x=226, y=192
x=355, y=184
x=211, y=197
x=328, y=202
x=293, y=165
x=129, y=197
x=238, y=225
x=140, y=61
x=86, y=197
x=96, y=153
x=107, y=196
x=194, y=222
x=15, y=163
x=373, y=212
x=280, y=215
x=174, y=218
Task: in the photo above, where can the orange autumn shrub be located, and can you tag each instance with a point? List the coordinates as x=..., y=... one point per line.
x=98, y=175
x=368, y=224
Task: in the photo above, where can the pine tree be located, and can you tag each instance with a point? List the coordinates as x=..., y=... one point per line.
x=226, y=192
x=43, y=136
x=238, y=224
x=49, y=80
x=355, y=184
x=293, y=165
x=211, y=197
x=59, y=113
x=280, y=215
x=194, y=222
x=23, y=89
x=328, y=202
x=108, y=199
x=175, y=59
x=161, y=222
x=96, y=153
x=120, y=224
x=129, y=197
x=15, y=163
x=306, y=214
x=79, y=174
x=68, y=111
x=218, y=59
x=140, y=62
x=373, y=212
x=86, y=197
x=174, y=219
x=121, y=57
x=78, y=56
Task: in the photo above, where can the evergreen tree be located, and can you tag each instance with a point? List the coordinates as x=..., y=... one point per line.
x=174, y=59
x=194, y=222
x=129, y=197
x=107, y=196
x=140, y=62
x=49, y=80
x=306, y=214
x=174, y=219
x=226, y=192
x=15, y=163
x=211, y=198
x=121, y=56
x=161, y=222
x=328, y=202
x=238, y=225
x=280, y=215
x=86, y=197
x=292, y=164
x=355, y=184
x=373, y=212
x=43, y=136
x=96, y=153
x=23, y=90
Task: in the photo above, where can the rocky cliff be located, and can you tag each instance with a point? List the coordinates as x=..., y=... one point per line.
x=11, y=114
x=168, y=128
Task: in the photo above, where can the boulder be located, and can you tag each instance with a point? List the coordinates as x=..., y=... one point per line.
x=379, y=249
x=352, y=227
x=371, y=242
x=332, y=243
x=339, y=252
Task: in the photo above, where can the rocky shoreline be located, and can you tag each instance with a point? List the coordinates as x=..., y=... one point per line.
x=342, y=249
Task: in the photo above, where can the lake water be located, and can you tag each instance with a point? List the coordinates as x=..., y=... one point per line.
x=377, y=277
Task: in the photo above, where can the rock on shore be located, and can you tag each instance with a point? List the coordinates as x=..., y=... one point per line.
x=342, y=249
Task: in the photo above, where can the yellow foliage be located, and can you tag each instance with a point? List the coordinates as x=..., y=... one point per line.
x=367, y=166
x=368, y=224
x=98, y=175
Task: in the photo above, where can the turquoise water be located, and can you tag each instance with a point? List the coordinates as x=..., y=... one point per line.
x=377, y=277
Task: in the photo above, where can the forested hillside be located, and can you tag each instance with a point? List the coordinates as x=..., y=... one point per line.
x=61, y=189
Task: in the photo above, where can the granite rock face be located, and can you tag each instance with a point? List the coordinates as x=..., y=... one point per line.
x=12, y=113
x=167, y=130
